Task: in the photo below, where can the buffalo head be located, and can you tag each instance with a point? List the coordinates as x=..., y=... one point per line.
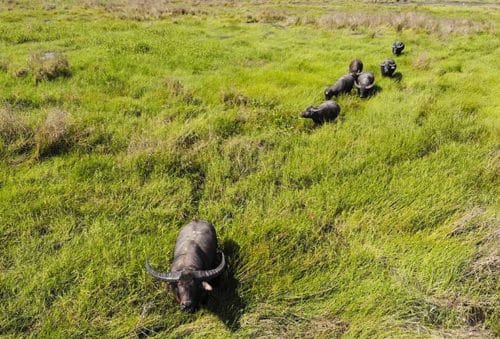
x=388, y=67
x=308, y=112
x=364, y=84
x=188, y=286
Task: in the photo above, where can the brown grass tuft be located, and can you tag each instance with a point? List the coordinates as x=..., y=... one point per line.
x=422, y=62
x=12, y=128
x=49, y=66
x=16, y=137
x=54, y=136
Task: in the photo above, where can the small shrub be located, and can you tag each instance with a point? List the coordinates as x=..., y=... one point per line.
x=49, y=66
x=54, y=136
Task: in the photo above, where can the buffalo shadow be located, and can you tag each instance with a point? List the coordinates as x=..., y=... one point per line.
x=397, y=77
x=375, y=90
x=224, y=301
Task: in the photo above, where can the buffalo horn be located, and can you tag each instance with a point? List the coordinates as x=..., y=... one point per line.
x=209, y=274
x=168, y=277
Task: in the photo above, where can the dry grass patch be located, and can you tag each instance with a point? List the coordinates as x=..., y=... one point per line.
x=400, y=22
x=144, y=9
x=16, y=136
x=358, y=20
x=12, y=127
x=486, y=262
x=269, y=15
x=55, y=135
x=49, y=66
x=464, y=333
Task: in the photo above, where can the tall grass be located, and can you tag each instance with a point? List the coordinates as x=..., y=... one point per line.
x=383, y=224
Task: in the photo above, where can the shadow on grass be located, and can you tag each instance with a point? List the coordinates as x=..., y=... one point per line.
x=376, y=90
x=397, y=76
x=225, y=301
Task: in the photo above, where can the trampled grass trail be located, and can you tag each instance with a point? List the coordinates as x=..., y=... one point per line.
x=382, y=224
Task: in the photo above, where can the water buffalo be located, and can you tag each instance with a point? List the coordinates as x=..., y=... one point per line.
x=397, y=48
x=342, y=85
x=195, y=255
x=327, y=111
x=356, y=67
x=365, y=83
x=388, y=67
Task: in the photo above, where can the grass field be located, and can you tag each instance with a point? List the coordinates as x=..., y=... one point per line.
x=383, y=224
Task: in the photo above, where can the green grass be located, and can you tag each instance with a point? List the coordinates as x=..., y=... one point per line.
x=384, y=223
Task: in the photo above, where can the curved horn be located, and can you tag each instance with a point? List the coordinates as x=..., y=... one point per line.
x=168, y=277
x=209, y=274
x=370, y=86
x=356, y=84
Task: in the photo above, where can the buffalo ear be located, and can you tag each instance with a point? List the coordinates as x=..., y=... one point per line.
x=206, y=286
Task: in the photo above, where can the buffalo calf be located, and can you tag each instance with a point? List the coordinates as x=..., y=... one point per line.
x=342, y=85
x=327, y=111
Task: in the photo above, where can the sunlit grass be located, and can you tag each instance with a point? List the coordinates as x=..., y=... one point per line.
x=381, y=224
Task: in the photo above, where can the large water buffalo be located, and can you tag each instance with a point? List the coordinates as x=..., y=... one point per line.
x=397, y=48
x=195, y=258
x=342, y=85
x=365, y=83
x=388, y=67
x=327, y=111
x=356, y=67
